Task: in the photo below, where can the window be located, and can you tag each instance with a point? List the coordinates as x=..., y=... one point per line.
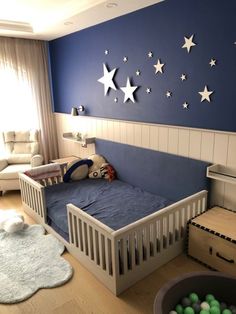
x=18, y=108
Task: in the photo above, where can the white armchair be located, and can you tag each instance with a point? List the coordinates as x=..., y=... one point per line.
x=21, y=154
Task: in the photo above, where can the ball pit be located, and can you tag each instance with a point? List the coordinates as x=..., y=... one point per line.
x=208, y=292
x=190, y=305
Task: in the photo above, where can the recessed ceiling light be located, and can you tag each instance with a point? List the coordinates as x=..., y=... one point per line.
x=110, y=5
x=68, y=23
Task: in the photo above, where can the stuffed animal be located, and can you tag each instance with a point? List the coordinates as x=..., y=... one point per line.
x=106, y=171
x=11, y=221
x=98, y=160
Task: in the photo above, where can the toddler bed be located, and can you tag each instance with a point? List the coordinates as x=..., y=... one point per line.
x=124, y=240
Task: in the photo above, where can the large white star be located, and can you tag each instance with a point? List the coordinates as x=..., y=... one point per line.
x=205, y=94
x=159, y=66
x=107, y=79
x=128, y=91
x=188, y=43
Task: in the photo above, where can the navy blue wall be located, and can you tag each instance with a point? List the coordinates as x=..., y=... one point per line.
x=77, y=63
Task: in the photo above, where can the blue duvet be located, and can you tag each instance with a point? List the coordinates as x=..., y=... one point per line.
x=116, y=203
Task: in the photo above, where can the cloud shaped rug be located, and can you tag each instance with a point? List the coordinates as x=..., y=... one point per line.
x=30, y=260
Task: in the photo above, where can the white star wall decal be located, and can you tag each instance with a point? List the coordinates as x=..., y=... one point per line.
x=138, y=72
x=185, y=105
x=159, y=66
x=107, y=79
x=168, y=94
x=148, y=90
x=183, y=77
x=212, y=62
x=205, y=94
x=150, y=54
x=128, y=90
x=188, y=43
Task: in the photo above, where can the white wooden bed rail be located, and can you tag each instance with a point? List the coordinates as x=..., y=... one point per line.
x=120, y=258
x=32, y=196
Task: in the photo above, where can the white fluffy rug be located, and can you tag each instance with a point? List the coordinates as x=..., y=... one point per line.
x=30, y=260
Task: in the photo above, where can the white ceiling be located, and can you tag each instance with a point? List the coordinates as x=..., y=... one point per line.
x=50, y=19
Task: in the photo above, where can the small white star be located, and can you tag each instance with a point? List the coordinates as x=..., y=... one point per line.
x=125, y=59
x=188, y=43
x=107, y=79
x=159, y=66
x=138, y=72
x=212, y=62
x=183, y=77
x=106, y=52
x=128, y=90
x=150, y=54
x=205, y=94
x=116, y=99
x=235, y=43
x=148, y=90
x=185, y=105
x=168, y=94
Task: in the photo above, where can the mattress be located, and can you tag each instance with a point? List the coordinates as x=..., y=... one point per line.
x=116, y=203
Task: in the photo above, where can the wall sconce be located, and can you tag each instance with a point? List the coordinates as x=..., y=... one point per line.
x=75, y=111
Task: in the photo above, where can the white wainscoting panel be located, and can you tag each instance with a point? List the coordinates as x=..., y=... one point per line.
x=208, y=145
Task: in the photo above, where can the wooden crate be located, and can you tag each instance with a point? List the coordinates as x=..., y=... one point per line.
x=212, y=239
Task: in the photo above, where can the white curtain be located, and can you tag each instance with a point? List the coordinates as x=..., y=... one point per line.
x=25, y=98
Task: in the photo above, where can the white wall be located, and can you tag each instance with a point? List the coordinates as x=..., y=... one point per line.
x=213, y=146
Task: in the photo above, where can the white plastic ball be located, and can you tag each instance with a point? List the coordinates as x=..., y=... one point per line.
x=205, y=306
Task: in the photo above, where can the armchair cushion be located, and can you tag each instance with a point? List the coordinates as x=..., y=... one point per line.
x=19, y=158
x=21, y=136
x=3, y=164
x=11, y=172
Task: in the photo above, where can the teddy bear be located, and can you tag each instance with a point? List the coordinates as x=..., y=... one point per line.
x=11, y=221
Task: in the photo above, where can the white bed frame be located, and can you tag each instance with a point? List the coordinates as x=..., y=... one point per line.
x=141, y=247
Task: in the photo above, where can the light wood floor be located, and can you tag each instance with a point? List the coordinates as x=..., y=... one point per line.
x=84, y=294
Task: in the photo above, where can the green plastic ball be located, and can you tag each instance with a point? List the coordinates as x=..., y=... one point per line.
x=209, y=298
x=193, y=297
x=204, y=312
x=188, y=310
x=215, y=310
x=215, y=303
x=179, y=309
x=226, y=311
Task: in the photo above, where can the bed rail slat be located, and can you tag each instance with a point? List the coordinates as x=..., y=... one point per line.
x=140, y=246
x=96, y=247
x=102, y=251
x=85, y=237
x=90, y=242
x=80, y=234
x=132, y=250
x=147, y=242
x=108, y=256
x=154, y=237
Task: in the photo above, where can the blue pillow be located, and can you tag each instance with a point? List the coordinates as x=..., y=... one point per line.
x=82, y=162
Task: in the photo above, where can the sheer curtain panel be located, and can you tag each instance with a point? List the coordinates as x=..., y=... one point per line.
x=25, y=99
